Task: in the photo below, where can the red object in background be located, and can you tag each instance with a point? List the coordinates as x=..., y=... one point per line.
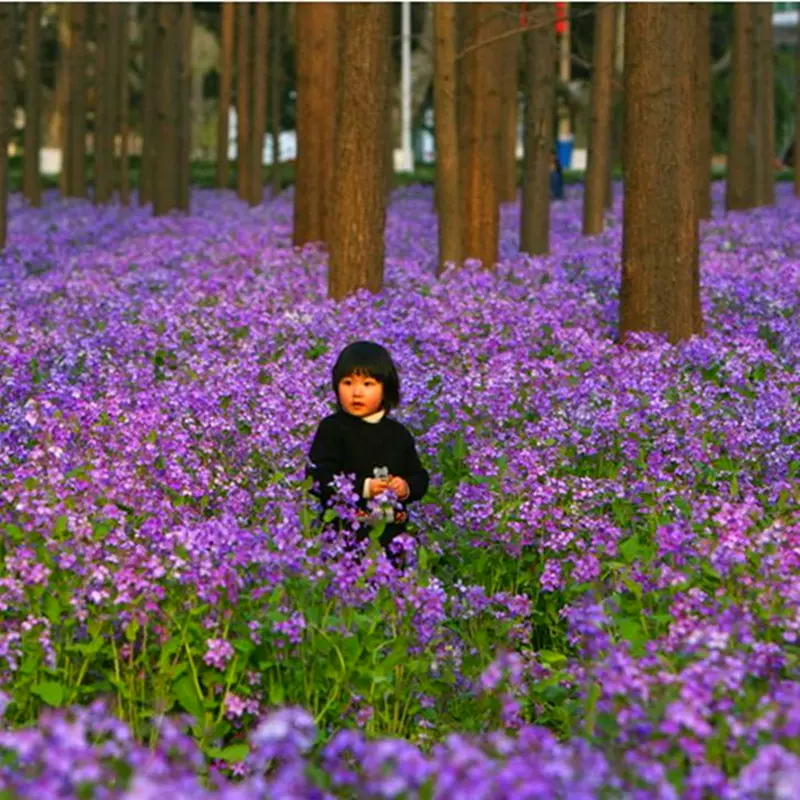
x=561, y=18
x=523, y=15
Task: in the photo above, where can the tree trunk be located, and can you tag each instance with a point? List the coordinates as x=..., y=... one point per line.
x=31, y=183
x=764, y=94
x=63, y=93
x=149, y=89
x=276, y=92
x=739, y=186
x=114, y=27
x=659, y=290
x=540, y=53
x=597, y=170
x=104, y=87
x=260, y=62
x=617, y=103
x=317, y=59
x=797, y=115
x=509, y=48
x=359, y=183
x=479, y=136
x=703, y=96
x=76, y=115
x=124, y=105
x=184, y=110
x=223, y=109
x=445, y=91
x=6, y=107
x=167, y=48
x=243, y=98
x=758, y=120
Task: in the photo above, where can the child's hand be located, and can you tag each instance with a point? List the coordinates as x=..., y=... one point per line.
x=399, y=487
x=377, y=486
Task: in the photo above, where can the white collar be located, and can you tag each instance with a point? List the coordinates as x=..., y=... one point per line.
x=376, y=417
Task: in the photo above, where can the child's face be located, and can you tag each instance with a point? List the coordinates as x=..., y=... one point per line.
x=360, y=395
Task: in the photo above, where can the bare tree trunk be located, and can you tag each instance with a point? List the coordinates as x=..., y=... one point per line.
x=797, y=115
x=617, y=103
x=660, y=261
x=76, y=136
x=104, y=88
x=6, y=108
x=166, y=152
x=767, y=88
x=114, y=28
x=31, y=183
x=147, y=174
x=540, y=53
x=597, y=171
x=317, y=59
x=225, y=71
x=758, y=121
x=184, y=110
x=739, y=186
x=703, y=96
x=63, y=94
x=480, y=126
x=448, y=192
x=124, y=105
x=243, y=98
x=260, y=62
x=508, y=99
x=276, y=92
x=359, y=183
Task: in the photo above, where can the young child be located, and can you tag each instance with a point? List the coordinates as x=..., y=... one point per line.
x=362, y=439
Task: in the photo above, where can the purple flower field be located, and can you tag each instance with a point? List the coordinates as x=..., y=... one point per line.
x=605, y=592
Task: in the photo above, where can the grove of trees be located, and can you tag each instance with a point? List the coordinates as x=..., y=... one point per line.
x=650, y=101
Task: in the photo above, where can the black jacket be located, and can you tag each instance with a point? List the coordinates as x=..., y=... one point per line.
x=346, y=444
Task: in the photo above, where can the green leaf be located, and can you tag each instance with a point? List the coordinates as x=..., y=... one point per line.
x=551, y=658
x=50, y=692
x=186, y=695
x=132, y=630
x=232, y=754
x=15, y=533
x=52, y=608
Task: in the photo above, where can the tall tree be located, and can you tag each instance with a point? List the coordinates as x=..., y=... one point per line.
x=763, y=106
x=797, y=115
x=597, y=171
x=448, y=192
x=660, y=286
x=703, y=97
x=149, y=84
x=31, y=183
x=114, y=32
x=617, y=102
x=104, y=88
x=225, y=72
x=276, y=88
x=72, y=41
x=124, y=104
x=243, y=98
x=479, y=134
x=540, y=52
x=260, y=62
x=739, y=186
x=184, y=122
x=6, y=107
x=317, y=47
x=508, y=98
x=167, y=46
x=359, y=183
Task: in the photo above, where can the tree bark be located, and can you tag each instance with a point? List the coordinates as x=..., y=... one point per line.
x=63, y=92
x=359, y=183
x=223, y=110
x=104, y=87
x=149, y=88
x=617, y=103
x=703, y=96
x=243, y=99
x=276, y=92
x=114, y=28
x=479, y=135
x=184, y=106
x=445, y=91
x=260, y=63
x=659, y=290
x=317, y=59
x=76, y=114
x=764, y=94
x=797, y=115
x=540, y=53
x=739, y=186
x=124, y=105
x=6, y=107
x=166, y=152
x=597, y=170
x=31, y=183
x=508, y=99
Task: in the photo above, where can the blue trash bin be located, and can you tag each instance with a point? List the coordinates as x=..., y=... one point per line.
x=564, y=147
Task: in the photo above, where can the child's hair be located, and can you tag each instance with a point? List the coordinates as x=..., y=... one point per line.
x=372, y=361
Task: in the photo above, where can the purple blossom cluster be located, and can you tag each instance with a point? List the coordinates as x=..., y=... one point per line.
x=601, y=592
